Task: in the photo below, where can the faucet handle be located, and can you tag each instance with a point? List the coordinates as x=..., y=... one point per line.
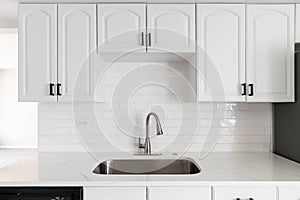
x=141, y=145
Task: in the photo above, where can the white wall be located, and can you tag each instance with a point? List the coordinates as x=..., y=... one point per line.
x=245, y=127
x=8, y=14
x=18, y=121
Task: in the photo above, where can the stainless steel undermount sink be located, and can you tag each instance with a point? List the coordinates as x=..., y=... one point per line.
x=148, y=166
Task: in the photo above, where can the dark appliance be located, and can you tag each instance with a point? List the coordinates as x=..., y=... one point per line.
x=287, y=120
x=41, y=193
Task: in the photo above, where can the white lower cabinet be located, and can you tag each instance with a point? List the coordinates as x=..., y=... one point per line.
x=289, y=193
x=147, y=193
x=114, y=193
x=244, y=193
x=193, y=193
x=179, y=193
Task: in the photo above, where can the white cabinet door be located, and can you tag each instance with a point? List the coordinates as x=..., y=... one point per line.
x=76, y=46
x=114, y=193
x=297, y=23
x=289, y=193
x=37, y=52
x=121, y=27
x=179, y=193
x=270, y=53
x=171, y=27
x=244, y=193
x=221, y=53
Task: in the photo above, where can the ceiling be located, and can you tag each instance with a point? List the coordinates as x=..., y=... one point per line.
x=8, y=13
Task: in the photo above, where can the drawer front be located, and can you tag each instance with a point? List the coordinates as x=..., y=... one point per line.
x=244, y=193
x=179, y=193
x=289, y=193
x=114, y=193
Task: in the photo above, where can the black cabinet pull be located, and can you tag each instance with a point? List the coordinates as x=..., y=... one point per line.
x=238, y=199
x=149, y=39
x=251, y=199
x=58, y=89
x=251, y=89
x=243, y=89
x=51, y=89
x=143, y=42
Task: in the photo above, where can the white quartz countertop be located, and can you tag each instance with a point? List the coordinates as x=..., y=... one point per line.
x=217, y=168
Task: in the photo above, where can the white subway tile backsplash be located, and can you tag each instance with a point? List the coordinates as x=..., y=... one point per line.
x=261, y=123
x=249, y=131
x=54, y=115
x=58, y=123
x=116, y=124
x=238, y=133
x=54, y=147
x=49, y=131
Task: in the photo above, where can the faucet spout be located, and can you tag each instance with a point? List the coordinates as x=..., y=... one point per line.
x=159, y=131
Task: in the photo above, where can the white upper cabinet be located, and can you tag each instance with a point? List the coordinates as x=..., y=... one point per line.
x=297, y=23
x=76, y=46
x=121, y=27
x=221, y=52
x=171, y=27
x=270, y=53
x=245, y=54
x=37, y=52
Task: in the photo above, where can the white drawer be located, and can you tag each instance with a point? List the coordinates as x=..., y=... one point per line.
x=289, y=193
x=179, y=193
x=244, y=193
x=114, y=193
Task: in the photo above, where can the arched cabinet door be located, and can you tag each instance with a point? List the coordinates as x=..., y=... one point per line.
x=121, y=27
x=270, y=53
x=221, y=52
x=37, y=52
x=171, y=28
x=76, y=56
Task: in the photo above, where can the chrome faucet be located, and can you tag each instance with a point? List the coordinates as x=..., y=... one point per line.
x=147, y=145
